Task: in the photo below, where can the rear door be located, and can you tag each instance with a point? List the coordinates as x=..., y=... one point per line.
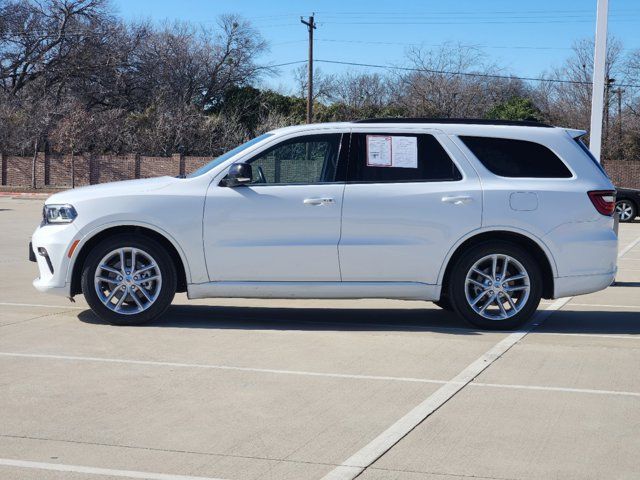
x=406, y=203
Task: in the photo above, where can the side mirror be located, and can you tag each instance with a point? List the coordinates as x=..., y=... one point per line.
x=239, y=174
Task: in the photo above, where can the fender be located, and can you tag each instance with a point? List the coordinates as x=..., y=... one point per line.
x=126, y=223
x=498, y=228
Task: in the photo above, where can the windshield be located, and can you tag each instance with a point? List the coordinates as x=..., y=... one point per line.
x=225, y=156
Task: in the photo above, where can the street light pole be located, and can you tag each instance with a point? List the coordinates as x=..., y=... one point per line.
x=599, y=65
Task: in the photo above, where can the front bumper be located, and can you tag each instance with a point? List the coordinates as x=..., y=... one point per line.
x=49, y=247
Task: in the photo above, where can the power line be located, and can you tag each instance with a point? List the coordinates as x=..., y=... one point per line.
x=468, y=74
x=366, y=42
x=490, y=22
x=488, y=12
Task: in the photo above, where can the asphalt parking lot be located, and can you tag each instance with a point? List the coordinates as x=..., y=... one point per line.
x=244, y=389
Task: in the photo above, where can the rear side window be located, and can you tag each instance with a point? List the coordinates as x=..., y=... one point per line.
x=422, y=159
x=584, y=148
x=516, y=158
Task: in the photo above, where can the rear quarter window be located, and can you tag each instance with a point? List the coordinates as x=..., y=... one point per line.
x=516, y=158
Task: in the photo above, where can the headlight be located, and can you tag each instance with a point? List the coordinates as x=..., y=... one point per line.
x=58, y=214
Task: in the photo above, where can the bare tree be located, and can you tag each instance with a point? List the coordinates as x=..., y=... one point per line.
x=323, y=84
x=448, y=81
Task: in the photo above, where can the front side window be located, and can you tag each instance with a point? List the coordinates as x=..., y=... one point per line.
x=393, y=157
x=302, y=160
x=226, y=156
x=516, y=158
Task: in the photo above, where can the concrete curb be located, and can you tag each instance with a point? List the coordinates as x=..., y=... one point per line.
x=27, y=195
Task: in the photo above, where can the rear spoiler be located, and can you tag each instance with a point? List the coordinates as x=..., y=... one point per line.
x=573, y=133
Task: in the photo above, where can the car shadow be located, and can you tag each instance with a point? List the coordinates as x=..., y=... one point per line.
x=625, y=284
x=377, y=320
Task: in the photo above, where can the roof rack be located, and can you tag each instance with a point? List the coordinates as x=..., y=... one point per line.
x=465, y=121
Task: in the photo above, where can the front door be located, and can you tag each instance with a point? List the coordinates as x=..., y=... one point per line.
x=406, y=203
x=284, y=225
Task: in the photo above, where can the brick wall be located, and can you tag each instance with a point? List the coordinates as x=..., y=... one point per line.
x=624, y=173
x=159, y=166
x=18, y=170
x=55, y=170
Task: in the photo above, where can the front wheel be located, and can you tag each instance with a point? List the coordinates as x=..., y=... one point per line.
x=496, y=285
x=128, y=279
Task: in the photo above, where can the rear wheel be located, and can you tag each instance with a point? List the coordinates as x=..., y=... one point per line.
x=626, y=210
x=128, y=279
x=495, y=285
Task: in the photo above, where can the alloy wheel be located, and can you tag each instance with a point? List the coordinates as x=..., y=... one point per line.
x=624, y=210
x=128, y=280
x=497, y=287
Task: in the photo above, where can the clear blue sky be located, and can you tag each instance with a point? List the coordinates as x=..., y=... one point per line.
x=525, y=37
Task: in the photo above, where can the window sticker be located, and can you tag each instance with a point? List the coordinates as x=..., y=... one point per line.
x=391, y=151
x=378, y=151
x=404, y=152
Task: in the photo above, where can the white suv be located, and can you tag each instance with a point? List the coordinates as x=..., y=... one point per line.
x=481, y=217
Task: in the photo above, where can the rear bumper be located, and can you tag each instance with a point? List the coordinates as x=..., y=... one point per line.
x=581, y=284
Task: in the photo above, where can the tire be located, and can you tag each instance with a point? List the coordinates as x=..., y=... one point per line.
x=465, y=286
x=444, y=303
x=627, y=210
x=147, y=289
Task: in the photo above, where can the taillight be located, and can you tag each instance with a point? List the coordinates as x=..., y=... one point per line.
x=604, y=201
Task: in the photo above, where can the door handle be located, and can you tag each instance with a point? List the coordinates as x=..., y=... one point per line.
x=318, y=201
x=457, y=200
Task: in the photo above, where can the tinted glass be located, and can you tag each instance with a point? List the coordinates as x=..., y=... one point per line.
x=516, y=158
x=433, y=162
x=310, y=159
x=225, y=156
x=584, y=148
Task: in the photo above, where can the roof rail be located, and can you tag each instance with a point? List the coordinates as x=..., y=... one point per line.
x=465, y=121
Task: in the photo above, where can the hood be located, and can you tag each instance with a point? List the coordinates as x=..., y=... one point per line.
x=112, y=189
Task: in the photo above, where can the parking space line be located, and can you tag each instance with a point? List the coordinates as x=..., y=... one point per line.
x=602, y=305
x=557, y=389
x=594, y=335
x=60, y=467
x=358, y=462
x=221, y=367
x=629, y=247
x=67, y=307
x=316, y=374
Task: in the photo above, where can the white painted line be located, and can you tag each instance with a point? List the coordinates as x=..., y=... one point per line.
x=220, y=367
x=354, y=465
x=557, y=389
x=60, y=467
x=310, y=374
x=629, y=336
x=68, y=307
x=629, y=247
x=603, y=305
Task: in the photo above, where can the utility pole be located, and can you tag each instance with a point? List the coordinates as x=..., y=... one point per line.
x=599, y=63
x=607, y=107
x=311, y=26
x=619, y=91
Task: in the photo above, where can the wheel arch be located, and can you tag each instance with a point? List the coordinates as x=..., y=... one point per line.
x=99, y=234
x=532, y=244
